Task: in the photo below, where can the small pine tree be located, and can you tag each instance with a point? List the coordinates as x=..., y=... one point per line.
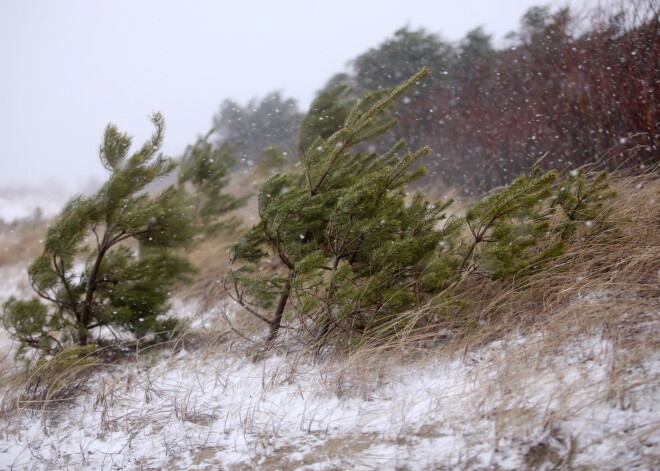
x=583, y=199
x=108, y=259
x=351, y=251
x=206, y=168
x=516, y=230
x=508, y=227
x=327, y=114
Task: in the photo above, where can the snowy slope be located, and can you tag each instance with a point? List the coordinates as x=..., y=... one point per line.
x=219, y=410
x=585, y=397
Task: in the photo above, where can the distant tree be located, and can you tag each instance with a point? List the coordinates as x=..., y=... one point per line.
x=271, y=121
x=205, y=167
x=391, y=62
x=475, y=57
x=541, y=28
x=400, y=57
x=108, y=259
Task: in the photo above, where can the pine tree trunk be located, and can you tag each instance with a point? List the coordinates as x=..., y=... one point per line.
x=86, y=316
x=279, y=310
x=82, y=335
x=327, y=322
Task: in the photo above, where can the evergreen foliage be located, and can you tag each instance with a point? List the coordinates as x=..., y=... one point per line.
x=509, y=226
x=475, y=57
x=326, y=115
x=108, y=258
x=272, y=121
x=352, y=252
x=206, y=168
x=400, y=57
x=583, y=200
x=515, y=231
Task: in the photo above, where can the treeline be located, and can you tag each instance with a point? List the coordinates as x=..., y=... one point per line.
x=571, y=88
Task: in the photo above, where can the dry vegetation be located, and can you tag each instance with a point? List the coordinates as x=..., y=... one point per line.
x=21, y=242
x=534, y=361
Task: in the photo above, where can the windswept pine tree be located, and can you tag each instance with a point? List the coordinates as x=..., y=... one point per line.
x=507, y=228
x=352, y=252
x=517, y=229
x=108, y=258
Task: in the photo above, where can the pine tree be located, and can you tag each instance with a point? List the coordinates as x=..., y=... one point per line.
x=583, y=200
x=515, y=231
x=351, y=251
x=108, y=258
x=206, y=168
x=327, y=114
x=263, y=122
x=508, y=227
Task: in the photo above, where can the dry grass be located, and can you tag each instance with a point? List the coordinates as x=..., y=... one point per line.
x=599, y=305
x=20, y=243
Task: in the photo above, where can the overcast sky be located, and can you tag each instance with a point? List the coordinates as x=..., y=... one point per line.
x=71, y=66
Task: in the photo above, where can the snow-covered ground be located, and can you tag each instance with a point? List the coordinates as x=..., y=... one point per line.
x=509, y=405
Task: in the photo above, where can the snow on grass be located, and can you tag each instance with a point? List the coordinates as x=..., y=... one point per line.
x=220, y=410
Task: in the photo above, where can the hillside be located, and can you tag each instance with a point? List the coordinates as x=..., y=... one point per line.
x=564, y=374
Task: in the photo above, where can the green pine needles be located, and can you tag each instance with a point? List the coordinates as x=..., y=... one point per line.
x=205, y=168
x=108, y=259
x=353, y=251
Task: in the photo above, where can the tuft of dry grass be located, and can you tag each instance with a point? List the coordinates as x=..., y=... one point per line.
x=49, y=385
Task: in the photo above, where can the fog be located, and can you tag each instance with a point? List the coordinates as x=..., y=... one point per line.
x=71, y=67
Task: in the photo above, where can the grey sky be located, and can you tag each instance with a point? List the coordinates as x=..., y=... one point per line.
x=71, y=66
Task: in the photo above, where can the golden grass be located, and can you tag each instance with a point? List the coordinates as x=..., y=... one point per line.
x=20, y=243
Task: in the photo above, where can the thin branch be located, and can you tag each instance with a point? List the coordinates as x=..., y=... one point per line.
x=239, y=300
x=224, y=315
x=62, y=275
